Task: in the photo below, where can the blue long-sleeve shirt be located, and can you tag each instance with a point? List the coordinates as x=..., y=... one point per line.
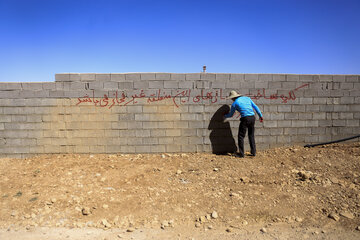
x=245, y=106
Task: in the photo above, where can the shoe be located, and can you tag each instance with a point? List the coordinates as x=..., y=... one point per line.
x=238, y=155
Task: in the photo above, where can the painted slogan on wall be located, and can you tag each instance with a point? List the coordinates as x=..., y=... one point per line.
x=121, y=98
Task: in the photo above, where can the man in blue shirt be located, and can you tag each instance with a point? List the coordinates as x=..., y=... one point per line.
x=245, y=106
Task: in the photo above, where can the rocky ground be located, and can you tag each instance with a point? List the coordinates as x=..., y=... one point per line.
x=283, y=193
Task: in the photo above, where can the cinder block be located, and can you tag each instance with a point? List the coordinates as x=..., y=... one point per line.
x=186, y=84
x=74, y=76
x=276, y=116
x=157, y=133
x=111, y=85
x=150, y=125
x=33, y=86
x=312, y=123
x=158, y=148
x=195, y=140
x=150, y=141
x=339, y=78
x=177, y=76
x=166, y=140
x=192, y=76
x=270, y=124
x=102, y=77
x=251, y=77
x=143, y=133
x=319, y=100
x=265, y=77
x=290, y=131
x=173, y=148
x=352, y=123
x=147, y=76
x=173, y=132
x=10, y=86
x=222, y=77
x=352, y=78
x=276, y=131
x=156, y=84
x=283, y=124
x=134, y=109
x=298, y=123
x=134, y=125
x=220, y=85
x=10, y=94
x=306, y=100
x=261, y=85
x=284, y=108
x=62, y=77
x=96, y=85
x=208, y=76
x=132, y=77
x=317, y=130
x=232, y=85
x=247, y=85
x=347, y=100
x=237, y=77
x=126, y=85
x=171, y=84
x=141, y=85
x=117, y=77
x=325, y=78
x=292, y=77
x=162, y=76
x=196, y=124
x=167, y=125
x=319, y=116
x=142, y=149
x=188, y=148
x=279, y=77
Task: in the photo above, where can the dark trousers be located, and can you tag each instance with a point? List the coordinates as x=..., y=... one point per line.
x=249, y=124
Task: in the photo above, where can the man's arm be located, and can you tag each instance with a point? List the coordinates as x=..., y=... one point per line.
x=256, y=108
x=231, y=113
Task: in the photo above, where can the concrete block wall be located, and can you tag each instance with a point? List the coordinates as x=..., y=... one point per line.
x=171, y=112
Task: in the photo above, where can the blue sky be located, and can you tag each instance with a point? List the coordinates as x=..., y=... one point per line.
x=39, y=38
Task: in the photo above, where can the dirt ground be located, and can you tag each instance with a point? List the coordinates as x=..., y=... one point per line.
x=282, y=193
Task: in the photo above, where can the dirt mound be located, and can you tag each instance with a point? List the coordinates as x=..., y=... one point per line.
x=316, y=187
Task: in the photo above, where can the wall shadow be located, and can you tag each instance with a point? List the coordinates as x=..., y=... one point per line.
x=221, y=138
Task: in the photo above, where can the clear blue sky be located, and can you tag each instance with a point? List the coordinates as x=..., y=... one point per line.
x=39, y=38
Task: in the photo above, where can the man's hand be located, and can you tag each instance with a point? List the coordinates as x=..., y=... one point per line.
x=261, y=119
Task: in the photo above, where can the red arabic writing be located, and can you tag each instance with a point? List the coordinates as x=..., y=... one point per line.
x=285, y=98
x=179, y=98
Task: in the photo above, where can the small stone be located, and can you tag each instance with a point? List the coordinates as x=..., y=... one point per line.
x=298, y=219
x=105, y=223
x=86, y=211
x=53, y=200
x=210, y=227
x=202, y=219
x=105, y=206
x=358, y=228
x=178, y=172
x=244, y=222
x=216, y=169
x=208, y=217
x=214, y=215
x=334, y=216
x=232, y=194
x=228, y=230
x=130, y=229
x=163, y=156
x=263, y=230
x=197, y=224
x=347, y=215
x=245, y=179
x=119, y=236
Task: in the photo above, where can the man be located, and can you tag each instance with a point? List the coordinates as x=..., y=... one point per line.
x=245, y=106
